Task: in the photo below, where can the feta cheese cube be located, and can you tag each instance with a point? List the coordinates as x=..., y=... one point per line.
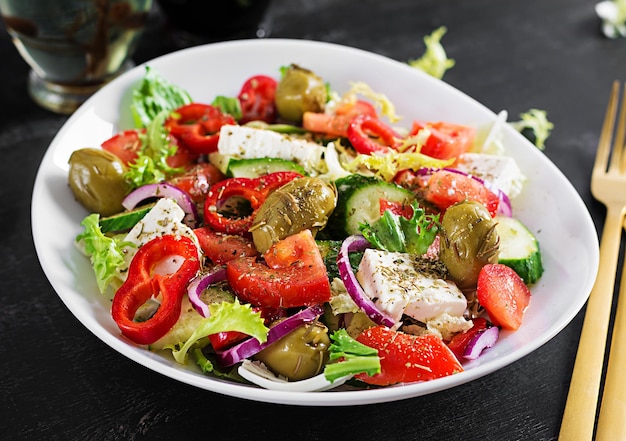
x=501, y=171
x=392, y=281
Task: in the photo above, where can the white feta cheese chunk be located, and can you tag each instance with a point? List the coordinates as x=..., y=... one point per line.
x=164, y=218
x=248, y=143
x=501, y=171
x=392, y=281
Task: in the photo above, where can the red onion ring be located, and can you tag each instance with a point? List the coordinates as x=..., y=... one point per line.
x=481, y=341
x=199, y=284
x=161, y=190
x=359, y=243
x=251, y=346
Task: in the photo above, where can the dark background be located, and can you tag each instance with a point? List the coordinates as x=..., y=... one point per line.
x=59, y=382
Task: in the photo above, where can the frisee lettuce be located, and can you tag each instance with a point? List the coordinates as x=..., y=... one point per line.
x=435, y=61
x=151, y=164
x=354, y=357
x=225, y=316
x=105, y=253
x=396, y=233
x=388, y=165
x=154, y=95
x=613, y=16
x=536, y=121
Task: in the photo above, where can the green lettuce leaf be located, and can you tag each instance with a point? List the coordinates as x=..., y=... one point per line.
x=435, y=61
x=398, y=234
x=155, y=95
x=105, y=253
x=355, y=357
x=228, y=105
x=151, y=166
x=225, y=316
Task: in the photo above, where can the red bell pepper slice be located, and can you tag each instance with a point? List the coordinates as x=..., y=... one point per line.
x=363, y=126
x=257, y=99
x=237, y=220
x=148, y=276
x=197, y=126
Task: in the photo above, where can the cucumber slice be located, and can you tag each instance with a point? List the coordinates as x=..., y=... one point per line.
x=519, y=249
x=358, y=201
x=124, y=221
x=253, y=168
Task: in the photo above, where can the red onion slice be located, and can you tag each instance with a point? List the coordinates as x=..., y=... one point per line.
x=161, y=190
x=199, y=284
x=481, y=341
x=252, y=346
x=359, y=243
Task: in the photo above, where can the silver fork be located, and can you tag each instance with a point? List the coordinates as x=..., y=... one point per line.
x=608, y=185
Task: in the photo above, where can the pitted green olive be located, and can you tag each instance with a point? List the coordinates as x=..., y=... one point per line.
x=469, y=242
x=299, y=91
x=304, y=203
x=299, y=355
x=96, y=178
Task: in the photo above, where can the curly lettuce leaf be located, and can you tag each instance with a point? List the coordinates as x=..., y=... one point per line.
x=535, y=121
x=355, y=357
x=388, y=165
x=225, y=316
x=435, y=61
x=105, y=253
x=396, y=233
x=613, y=16
x=151, y=165
x=228, y=105
x=155, y=95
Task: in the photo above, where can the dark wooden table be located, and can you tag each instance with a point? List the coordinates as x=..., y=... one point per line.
x=60, y=382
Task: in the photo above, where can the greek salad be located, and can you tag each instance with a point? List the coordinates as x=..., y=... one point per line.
x=302, y=233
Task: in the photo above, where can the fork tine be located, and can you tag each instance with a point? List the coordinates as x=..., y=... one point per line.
x=617, y=156
x=604, y=145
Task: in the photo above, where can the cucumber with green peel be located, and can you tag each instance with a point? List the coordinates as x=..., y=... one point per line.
x=255, y=167
x=519, y=249
x=125, y=220
x=358, y=202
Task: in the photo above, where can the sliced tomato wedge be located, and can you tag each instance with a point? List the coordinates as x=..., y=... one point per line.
x=220, y=248
x=446, y=188
x=297, y=275
x=397, y=208
x=257, y=99
x=337, y=124
x=406, y=358
x=446, y=140
x=197, y=180
x=196, y=126
x=503, y=294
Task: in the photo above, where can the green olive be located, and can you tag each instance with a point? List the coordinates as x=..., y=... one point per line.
x=304, y=203
x=469, y=242
x=96, y=178
x=299, y=91
x=299, y=355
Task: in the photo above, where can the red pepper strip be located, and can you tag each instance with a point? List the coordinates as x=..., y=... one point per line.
x=145, y=281
x=363, y=126
x=255, y=191
x=197, y=126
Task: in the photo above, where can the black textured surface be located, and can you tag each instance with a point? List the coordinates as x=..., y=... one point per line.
x=59, y=382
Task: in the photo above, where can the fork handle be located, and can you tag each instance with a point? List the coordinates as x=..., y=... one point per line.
x=582, y=398
x=612, y=417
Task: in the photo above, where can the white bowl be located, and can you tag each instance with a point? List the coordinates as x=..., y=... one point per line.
x=549, y=205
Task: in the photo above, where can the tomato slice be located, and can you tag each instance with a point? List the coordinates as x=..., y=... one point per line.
x=220, y=248
x=196, y=126
x=396, y=207
x=406, y=358
x=503, y=294
x=197, y=180
x=460, y=341
x=257, y=99
x=125, y=145
x=337, y=124
x=446, y=188
x=446, y=140
x=296, y=275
